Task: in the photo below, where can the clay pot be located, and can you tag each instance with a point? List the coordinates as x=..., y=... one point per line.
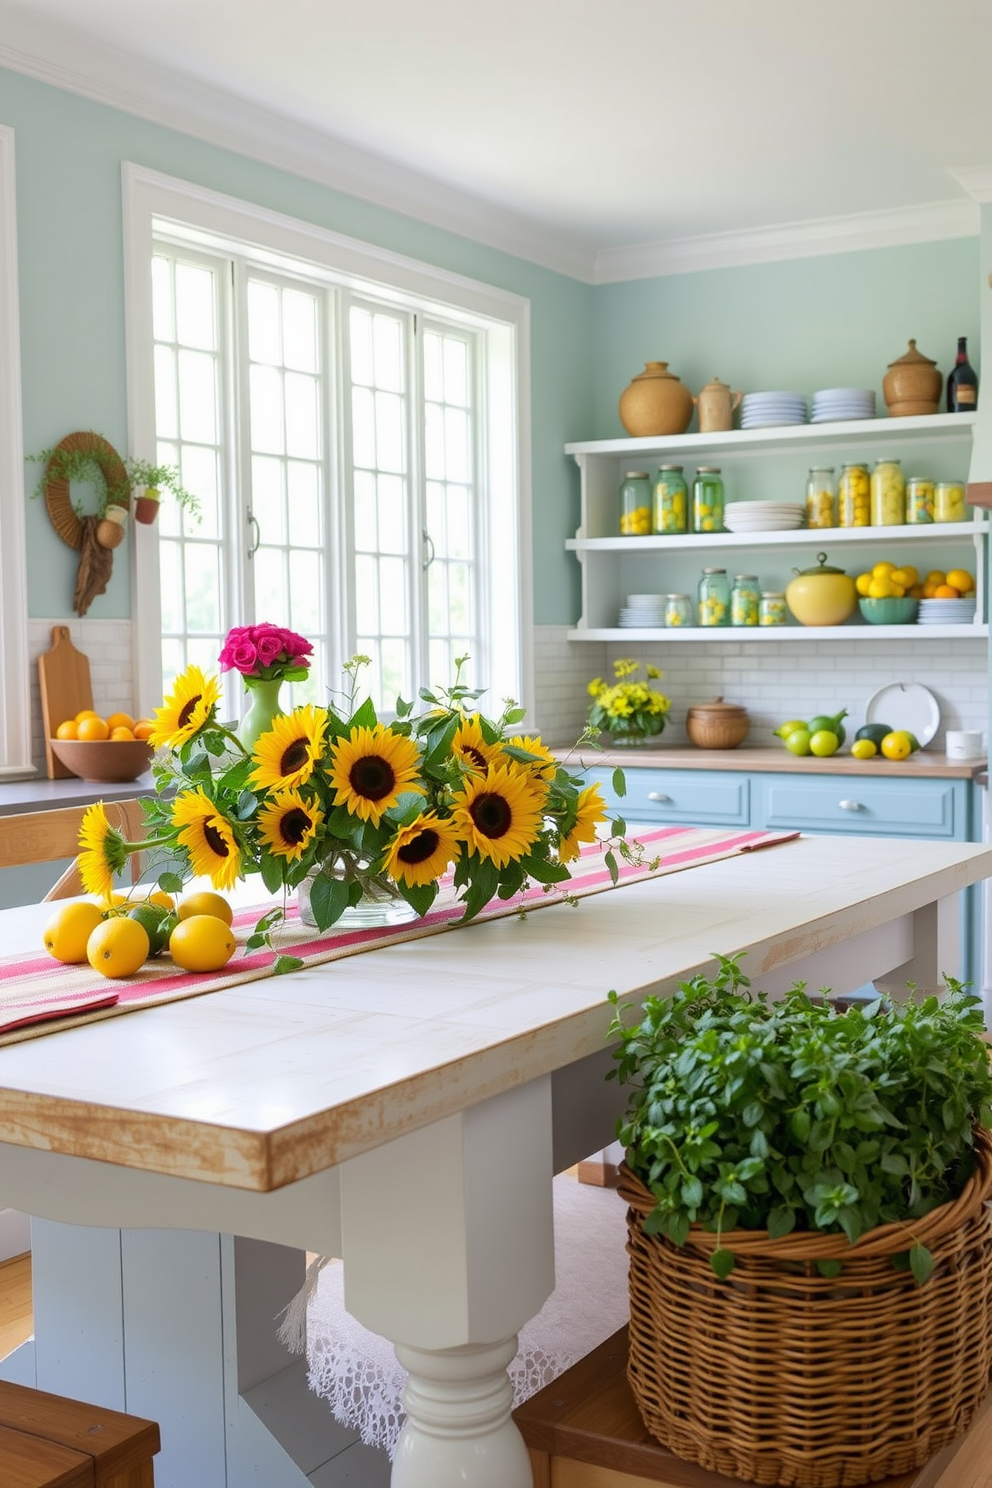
x=109, y=534
x=717, y=725
x=655, y=403
x=146, y=505
x=717, y=404
x=912, y=385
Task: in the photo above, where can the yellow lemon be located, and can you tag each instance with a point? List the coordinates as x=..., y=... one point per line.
x=863, y=584
x=898, y=592
x=118, y=947
x=68, y=930
x=897, y=745
x=864, y=749
x=882, y=570
x=201, y=943
x=880, y=589
x=961, y=580
x=936, y=576
x=205, y=903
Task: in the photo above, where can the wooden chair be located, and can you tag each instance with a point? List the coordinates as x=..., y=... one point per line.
x=50, y=836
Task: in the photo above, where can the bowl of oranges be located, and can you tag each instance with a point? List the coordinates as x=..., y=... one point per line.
x=107, y=750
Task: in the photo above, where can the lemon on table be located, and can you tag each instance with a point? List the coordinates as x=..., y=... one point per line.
x=823, y=743
x=897, y=745
x=202, y=943
x=118, y=947
x=789, y=727
x=205, y=903
x=69, y=929
x=864, y=749
x=798, y=741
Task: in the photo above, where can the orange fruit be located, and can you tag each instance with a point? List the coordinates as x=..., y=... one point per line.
x=946, y=591
x=201, y=943
x=69, y=929
x=119, y=720
x=92, y=728
x=86, y=713
x=927, y=591
x=117, y=947
x=936, y=576
x=205, y=903
x=961, y=580
x=142, y=728
x=916, y=592
x=121, y=733
x=67, y=730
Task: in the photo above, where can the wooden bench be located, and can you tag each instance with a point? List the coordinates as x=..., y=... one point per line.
x=47, y=1441
x=584, y=1431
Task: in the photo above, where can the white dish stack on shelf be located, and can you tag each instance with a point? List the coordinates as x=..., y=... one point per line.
x=643, y=610
x=770, y=410
x=946, y=611
x=833, y=405
x=762, y=516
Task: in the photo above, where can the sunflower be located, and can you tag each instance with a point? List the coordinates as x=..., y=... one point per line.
x=208, y=838
x=287, y=824
x=104, y=852
x=498, y=815
x=590, y=809
x=371, y=769
x=470, y=746
x=421, y=852
x=192, y=704
x=544, y=763
x=285, y=756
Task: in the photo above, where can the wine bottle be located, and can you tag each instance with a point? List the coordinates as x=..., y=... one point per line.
x=962, y=384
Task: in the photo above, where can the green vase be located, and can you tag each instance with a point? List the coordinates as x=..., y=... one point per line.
x=263, y=707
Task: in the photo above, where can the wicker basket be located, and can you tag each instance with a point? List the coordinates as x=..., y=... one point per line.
x=779, y=1375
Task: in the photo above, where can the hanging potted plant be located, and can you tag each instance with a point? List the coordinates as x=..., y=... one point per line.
x=810, y=1242
x=150, y=480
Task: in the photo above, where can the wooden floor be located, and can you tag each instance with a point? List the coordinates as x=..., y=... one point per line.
x=16, y=1308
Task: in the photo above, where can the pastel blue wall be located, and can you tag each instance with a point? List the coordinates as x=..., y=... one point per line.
x=808, y=323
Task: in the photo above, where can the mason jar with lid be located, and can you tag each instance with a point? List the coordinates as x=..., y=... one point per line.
x=919, y=500
x=772, y=609
x=853, y=501
x=671, y=500
x=745, y=597
x=707, y=499
x=949, y=504
x=635, y=504
x=888, y=494
x=679, y=611
x=821, y=497
x=714, y=597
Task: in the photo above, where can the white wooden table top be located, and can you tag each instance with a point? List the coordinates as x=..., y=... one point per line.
x=266, y=1083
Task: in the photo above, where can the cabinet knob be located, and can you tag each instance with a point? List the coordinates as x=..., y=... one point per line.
x=658, y=796
x=850, y=806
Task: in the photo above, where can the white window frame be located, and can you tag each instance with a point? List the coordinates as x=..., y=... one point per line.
x=155, y=203
x=15, y=686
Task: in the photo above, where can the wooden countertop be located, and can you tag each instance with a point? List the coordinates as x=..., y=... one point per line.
x=921, y=766
x=263, y=1084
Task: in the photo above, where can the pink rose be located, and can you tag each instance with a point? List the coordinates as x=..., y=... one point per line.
x=268, y=646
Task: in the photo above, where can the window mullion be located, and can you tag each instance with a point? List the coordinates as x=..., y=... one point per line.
x=419, y=535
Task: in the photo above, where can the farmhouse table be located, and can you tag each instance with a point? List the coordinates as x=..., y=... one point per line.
x=405, y=1110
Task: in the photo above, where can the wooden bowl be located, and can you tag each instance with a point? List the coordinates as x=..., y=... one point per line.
x=106, y=760
x=717, y=725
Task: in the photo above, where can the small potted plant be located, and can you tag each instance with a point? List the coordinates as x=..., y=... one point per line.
x=151, y=479
x=807, y=1205
x=628, y=709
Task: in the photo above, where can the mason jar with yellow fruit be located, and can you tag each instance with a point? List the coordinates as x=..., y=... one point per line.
x=853, y=505
x=888, y=494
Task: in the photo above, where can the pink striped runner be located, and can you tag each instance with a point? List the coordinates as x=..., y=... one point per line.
x=36, y=990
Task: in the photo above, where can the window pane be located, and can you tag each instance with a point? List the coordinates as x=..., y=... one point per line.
x=172, y=589
x=263, y=322
x=195, y=307
x=392, y=515
x=455, y=371
x=163, y=321
x=388, y=351
x=301, y=416
x=392, y=596
x=299, y=331
x=433, y=370
x=456, y=444
x=201, y=477
x=366, y=527
x=458, y=597
x=202, y=583
x=389, y=431
x=306, y=598
x=197, y=397
x=266, y=410
x=366, y=597
x=458, y=524
x=434, y=442
x=363, y=427
x=360, y=327
x=268, y=504
x=166, y=408
x=271, y=598
x=303, y=490
x=395, y=673
x=437, y=594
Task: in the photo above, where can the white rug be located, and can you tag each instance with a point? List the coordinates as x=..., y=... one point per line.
x=356, y=1371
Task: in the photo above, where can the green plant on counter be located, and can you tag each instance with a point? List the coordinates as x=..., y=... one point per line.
x=628, y=708
x=788, y=1115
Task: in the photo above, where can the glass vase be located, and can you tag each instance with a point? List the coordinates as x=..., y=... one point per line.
x=634, y=739
x=380, y=904
x=263, y=707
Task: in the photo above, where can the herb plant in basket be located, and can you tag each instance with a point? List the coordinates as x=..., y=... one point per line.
x=807, y=1220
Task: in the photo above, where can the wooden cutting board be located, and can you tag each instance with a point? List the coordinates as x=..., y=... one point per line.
x=64, y=680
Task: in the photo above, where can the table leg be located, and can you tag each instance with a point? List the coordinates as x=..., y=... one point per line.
x=448, y=1240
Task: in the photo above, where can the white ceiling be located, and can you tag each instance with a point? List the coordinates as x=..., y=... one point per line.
x=600, y=124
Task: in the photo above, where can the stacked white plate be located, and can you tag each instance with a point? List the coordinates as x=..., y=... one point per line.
x=643, y=610
x=946, y=611
x=762, y=516
x=831, y=405
x=768, y=410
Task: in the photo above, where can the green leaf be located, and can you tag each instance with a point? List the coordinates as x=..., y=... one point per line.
x=618, y=827
x=420, y=896
x=722, y=1262
x=516, y=715
x=781, y=1221
x=830, y=1268
x=363, y=716
x=619, y=783
x=692, y=1193
x=610, y=859
x=328, y=900
x=170, y=883
x=286, y=963
x=271, y=872
x=921, y=1263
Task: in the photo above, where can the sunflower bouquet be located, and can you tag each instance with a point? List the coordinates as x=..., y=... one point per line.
x=337, y=801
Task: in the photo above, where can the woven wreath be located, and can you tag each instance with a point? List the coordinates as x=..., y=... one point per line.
x=66, y=521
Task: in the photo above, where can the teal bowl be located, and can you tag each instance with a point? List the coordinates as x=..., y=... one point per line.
x=889, y=611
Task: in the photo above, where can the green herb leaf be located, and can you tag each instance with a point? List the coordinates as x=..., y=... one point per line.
x=921, y=1263
x=830, y=1268
x=722, y=1262
x=286, y=963
x=619, y=783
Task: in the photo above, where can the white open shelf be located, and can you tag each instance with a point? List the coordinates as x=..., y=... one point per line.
x=877, y=432
x=820, y=537
x=859, y=634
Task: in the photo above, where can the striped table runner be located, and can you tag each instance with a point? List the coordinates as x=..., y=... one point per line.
x=39, y=995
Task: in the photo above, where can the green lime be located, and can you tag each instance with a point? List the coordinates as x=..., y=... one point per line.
x=832, y=724
x=914, y=741
x=864, y=749
x=876, y=732
x=157, y=923
x=823, y=743
x=798, y=741
x=785, y=729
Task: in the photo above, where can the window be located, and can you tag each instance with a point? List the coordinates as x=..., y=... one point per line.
x=354, y=439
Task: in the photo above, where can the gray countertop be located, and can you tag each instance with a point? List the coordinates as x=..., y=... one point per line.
x=40, y=794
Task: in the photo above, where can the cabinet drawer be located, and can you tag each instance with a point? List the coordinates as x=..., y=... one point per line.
x=851, y=804
x=702, y=797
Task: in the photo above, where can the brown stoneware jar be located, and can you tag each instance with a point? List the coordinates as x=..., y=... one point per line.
x=655, y=403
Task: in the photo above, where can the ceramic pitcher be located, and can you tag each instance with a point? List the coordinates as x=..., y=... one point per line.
x=717, y=404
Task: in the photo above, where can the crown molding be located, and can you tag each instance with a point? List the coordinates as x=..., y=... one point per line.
x=892, y=228
x=69, y=60
x=976, y=180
